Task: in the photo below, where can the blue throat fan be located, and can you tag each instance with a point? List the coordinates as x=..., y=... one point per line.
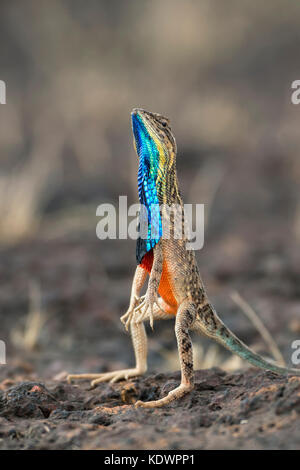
x=150, y=225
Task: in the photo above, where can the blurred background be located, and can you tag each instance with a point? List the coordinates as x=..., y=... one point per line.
x=222, y=72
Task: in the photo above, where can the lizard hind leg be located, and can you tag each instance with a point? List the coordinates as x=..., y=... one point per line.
x=184, y=321
x=139, y=341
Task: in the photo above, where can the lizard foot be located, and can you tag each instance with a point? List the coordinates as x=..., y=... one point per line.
x=127, y=317
x=106, y=376
x=173, y=395
x=146, y=304
x=115, y=376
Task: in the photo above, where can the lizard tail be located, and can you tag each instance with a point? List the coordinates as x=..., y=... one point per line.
x=214, y=328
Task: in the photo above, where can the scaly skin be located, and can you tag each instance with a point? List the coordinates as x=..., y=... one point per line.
x=175, y=288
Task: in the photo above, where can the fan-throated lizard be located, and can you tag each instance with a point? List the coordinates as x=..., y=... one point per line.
x=175, y=289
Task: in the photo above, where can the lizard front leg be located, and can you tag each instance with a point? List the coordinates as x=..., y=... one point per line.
x=145, y=308
x=137, y=284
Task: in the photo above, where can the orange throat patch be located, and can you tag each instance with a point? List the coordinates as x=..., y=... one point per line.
x=165, y=286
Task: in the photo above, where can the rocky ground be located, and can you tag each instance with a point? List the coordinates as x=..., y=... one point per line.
x=74, y=70
x=60, y=307
x=253, y=410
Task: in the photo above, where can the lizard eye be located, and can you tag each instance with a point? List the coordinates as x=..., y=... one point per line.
x=162, y=120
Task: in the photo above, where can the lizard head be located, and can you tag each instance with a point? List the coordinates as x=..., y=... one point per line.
x=153, y=138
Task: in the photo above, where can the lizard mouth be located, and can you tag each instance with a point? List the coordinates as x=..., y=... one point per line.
x=153, y=119
x=143, y=122
x=141, y=112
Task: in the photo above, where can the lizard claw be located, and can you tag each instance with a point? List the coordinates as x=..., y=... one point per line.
x=146, y=305
x=127, y=317
x=151, y=320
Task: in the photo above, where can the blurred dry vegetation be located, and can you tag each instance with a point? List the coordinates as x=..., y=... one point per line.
x=222, y=72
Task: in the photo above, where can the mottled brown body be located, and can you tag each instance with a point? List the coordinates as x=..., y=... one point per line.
x=175, y=288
